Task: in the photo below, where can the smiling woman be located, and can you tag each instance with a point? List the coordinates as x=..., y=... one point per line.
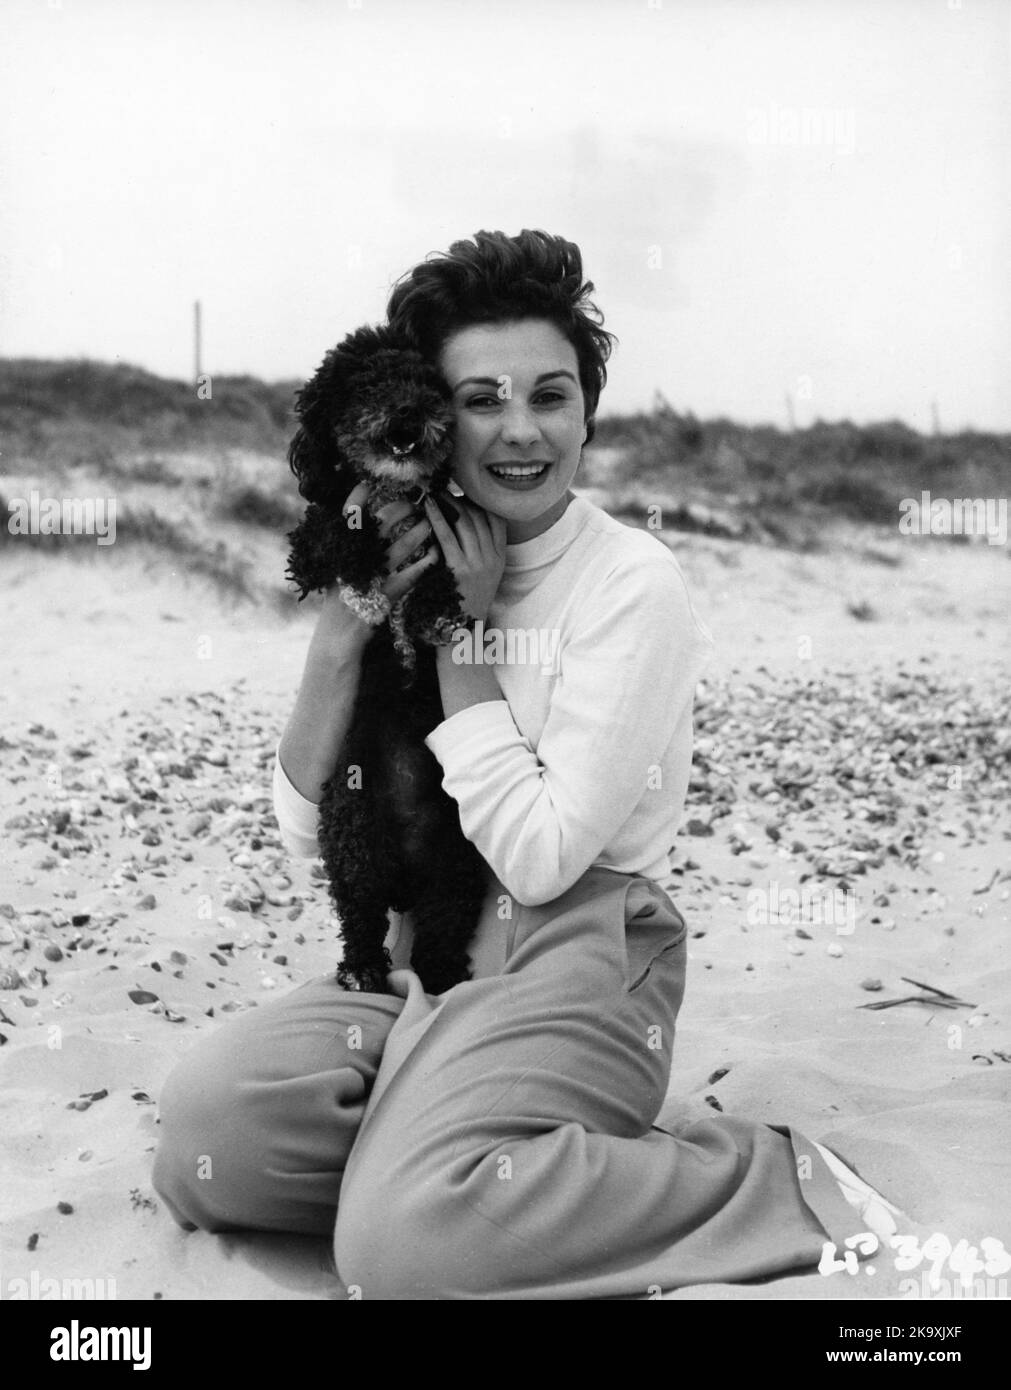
x=514, y=1153
x=518, y=444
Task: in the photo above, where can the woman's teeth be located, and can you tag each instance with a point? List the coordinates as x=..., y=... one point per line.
x=532, y=470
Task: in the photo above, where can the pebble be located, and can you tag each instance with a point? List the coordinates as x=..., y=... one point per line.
x=834, y=773
x=698, y=827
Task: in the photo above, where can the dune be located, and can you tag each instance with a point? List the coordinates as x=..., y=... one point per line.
x=138, y=722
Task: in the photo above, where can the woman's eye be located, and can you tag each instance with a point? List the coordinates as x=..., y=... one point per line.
x=544, y=398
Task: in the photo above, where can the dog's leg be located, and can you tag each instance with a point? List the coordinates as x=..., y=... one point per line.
x=402, y=644
x=445, y=918
x=373, y=606
x=351, y=845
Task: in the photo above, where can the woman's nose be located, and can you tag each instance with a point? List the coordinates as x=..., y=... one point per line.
x=519, y=425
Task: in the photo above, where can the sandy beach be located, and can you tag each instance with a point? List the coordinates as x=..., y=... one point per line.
x=852, y=748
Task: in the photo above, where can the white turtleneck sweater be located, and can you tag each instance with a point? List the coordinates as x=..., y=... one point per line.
x=587, y=759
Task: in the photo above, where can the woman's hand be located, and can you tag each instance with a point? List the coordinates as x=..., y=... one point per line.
x=475, y=551
x=398, y=581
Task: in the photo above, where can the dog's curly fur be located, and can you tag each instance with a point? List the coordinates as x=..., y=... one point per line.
x=376, y=411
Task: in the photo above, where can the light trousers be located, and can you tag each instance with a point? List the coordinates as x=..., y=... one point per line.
x=496, y=1141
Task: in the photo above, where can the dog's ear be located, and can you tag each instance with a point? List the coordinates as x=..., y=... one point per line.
x=313, y=455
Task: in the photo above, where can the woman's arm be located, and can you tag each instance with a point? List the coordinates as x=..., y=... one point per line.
x=627, y=679
x=475, y=553
x=464, y=684
x=319, y=721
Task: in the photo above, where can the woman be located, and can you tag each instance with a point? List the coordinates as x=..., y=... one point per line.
x=497, y=1141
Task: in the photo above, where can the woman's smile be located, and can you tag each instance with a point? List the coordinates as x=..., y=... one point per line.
x=520, y=475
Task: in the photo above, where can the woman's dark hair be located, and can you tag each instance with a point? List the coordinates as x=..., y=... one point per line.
x=497, y=278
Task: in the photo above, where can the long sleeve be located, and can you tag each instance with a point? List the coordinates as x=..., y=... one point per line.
x=297, y=818
x=627, y=677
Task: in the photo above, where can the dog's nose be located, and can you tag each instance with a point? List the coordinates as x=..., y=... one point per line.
x=404, y=437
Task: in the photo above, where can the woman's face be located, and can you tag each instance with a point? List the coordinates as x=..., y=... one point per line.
x=519, y=420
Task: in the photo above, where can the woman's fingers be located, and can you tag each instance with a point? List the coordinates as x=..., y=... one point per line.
x=391, y=514
x=407, y=544
x=397, y=585
x=444, y=533
x=357, y=497
x=386, y=517
x=487, y=530
x=467, y=533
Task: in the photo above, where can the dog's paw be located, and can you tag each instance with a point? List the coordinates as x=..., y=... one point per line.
x=442, y=632
x=363, y=981
x=373, y=607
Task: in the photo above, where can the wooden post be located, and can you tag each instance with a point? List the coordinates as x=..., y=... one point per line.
x=196, y=341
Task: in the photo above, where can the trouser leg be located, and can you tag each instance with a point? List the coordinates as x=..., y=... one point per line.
x=507, y=1149
x=258, y=1119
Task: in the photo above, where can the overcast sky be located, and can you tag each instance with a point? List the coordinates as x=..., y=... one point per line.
x=773, y=197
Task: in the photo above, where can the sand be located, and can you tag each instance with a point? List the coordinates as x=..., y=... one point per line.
x=138, y=718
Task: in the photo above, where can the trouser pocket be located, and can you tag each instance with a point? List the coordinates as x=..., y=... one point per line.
x=654, y=930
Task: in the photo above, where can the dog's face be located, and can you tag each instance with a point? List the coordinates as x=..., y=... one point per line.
x=396, y=422
x=377, y=410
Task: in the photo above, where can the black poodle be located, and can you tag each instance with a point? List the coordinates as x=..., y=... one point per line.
x=389, y=835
